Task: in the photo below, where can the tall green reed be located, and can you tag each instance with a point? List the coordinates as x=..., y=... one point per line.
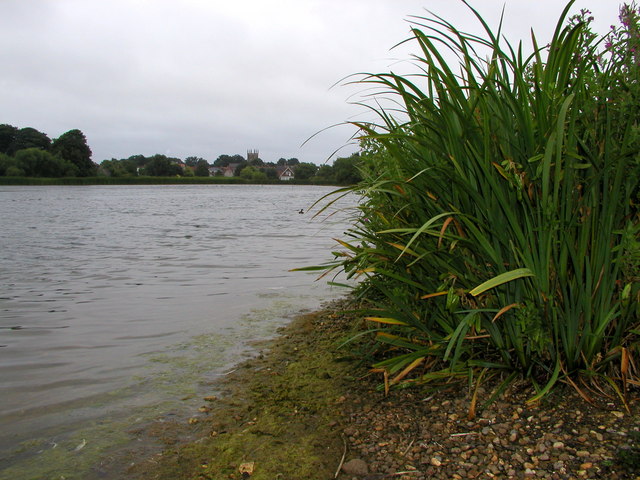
x=497, y=219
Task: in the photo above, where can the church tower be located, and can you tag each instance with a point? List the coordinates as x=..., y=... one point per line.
x=252, y=155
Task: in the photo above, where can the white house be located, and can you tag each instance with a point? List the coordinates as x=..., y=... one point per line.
x=285, y=173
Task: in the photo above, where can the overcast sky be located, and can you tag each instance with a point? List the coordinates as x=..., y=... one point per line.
x=210, y=77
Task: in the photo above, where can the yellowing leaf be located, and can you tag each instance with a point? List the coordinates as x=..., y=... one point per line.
x=387, y=320
x=407, y=370
x=503, y=310
x=431, y=295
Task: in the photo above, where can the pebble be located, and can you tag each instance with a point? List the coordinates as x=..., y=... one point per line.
x=505, y=442
x=356, y=467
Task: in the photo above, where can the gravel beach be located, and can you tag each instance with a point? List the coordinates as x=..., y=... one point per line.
x=303, y=410
x=411, y=436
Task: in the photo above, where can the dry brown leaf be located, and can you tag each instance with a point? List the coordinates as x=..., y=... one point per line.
x=246, y=467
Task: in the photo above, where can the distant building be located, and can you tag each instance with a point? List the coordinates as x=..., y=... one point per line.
x=252, y=155
x=285, y=173
x=230, y=170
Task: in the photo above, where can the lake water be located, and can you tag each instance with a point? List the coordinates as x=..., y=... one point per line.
x=119, y=304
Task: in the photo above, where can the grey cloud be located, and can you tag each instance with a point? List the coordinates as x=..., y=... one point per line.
x=209, y=77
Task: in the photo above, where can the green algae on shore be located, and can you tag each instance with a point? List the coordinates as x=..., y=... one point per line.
x=278, y=413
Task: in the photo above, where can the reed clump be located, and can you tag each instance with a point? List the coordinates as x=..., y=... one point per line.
x=498, y=228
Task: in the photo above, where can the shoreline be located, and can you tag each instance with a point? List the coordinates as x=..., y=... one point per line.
x=145, y=180
x=304, y=409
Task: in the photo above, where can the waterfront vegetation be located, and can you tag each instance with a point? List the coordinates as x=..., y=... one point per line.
x=497, y=236
x=30, y=157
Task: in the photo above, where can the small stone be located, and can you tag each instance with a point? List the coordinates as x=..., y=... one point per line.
x=356, y=467
x=586, y=466
x=618, y=414
x=435, y=461
x=582, y=453
x=558, y=445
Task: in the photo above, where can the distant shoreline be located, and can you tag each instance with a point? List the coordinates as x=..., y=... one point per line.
x=145, y=180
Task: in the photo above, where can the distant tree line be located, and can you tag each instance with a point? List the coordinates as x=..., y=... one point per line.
x=27, y=152
x=343, y=171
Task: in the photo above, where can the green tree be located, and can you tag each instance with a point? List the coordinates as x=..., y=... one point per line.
x=162, y=166
x=29, y=137
x=9, y=166
x=225, y=160
x=72, y=147
x=293, y=161
x=346, y=170
x=304, y=170
x=202, y=168
x=325, y=174
x=39, y=163
x=252, y=173
x=119, y=168
x=240, y=167
x=193, y=161
x=138, y=160
x=8, y=135
x=270, y=172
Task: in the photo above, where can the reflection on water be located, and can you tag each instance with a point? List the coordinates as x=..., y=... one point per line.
x=113, y=296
